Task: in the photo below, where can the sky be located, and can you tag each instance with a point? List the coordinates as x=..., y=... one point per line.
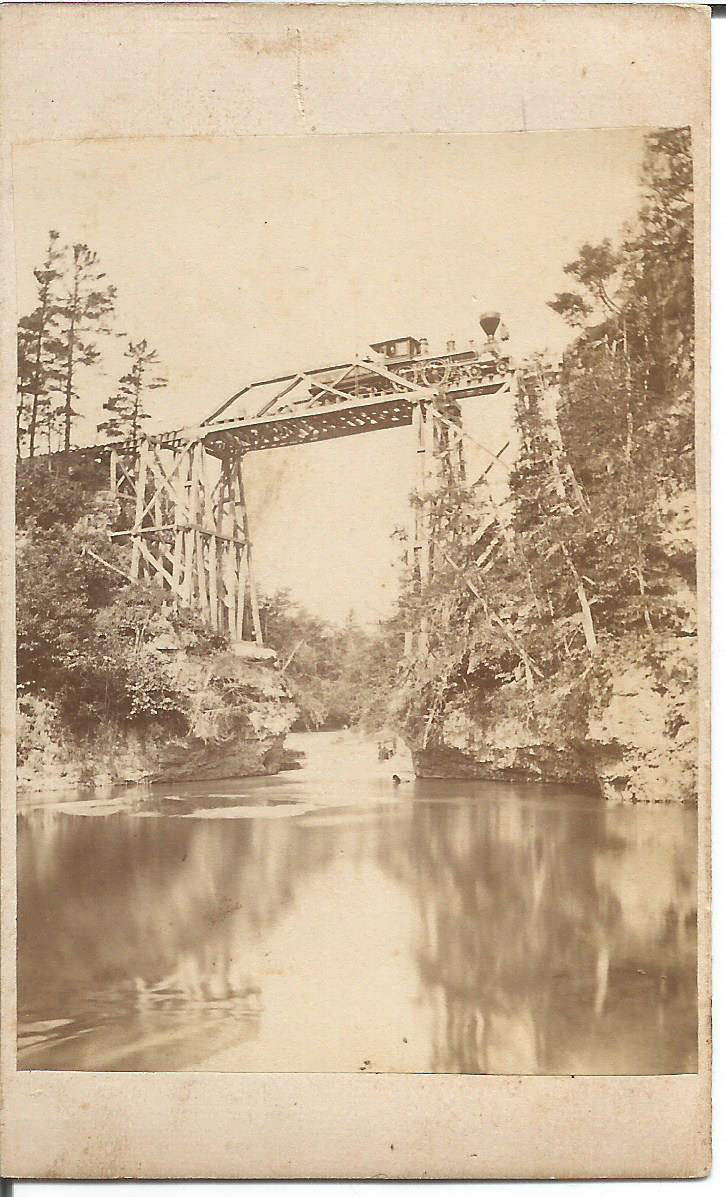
x=241, y=259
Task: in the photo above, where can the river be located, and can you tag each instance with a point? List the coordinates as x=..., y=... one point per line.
x=328, y=920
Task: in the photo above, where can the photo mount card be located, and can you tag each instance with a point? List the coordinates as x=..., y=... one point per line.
x=355, y=798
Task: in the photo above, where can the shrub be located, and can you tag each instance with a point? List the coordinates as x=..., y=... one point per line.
x=36, y=725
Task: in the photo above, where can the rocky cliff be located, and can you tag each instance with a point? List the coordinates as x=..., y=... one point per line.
x=238, y=712
x=632, y=736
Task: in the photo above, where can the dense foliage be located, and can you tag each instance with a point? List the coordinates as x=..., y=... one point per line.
x=338, y=675
x=83, y=630
x=594, y=547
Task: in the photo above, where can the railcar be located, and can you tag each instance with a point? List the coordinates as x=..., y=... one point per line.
x=461, y=371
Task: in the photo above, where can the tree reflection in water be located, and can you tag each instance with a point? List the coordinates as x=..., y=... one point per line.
x=150, y=941
x=555, y=935
x=330, y=922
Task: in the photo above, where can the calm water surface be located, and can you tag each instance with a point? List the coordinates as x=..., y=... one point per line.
x=326, y=920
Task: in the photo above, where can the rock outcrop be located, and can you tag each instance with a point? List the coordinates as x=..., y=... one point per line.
x=239, y=713
x=637, y=741
x=644, y=741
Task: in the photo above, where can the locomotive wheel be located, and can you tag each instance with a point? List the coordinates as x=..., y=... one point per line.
x=436, y=373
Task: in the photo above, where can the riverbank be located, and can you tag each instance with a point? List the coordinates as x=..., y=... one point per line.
x=631, y=738
x=236, y=715
x=397, y=918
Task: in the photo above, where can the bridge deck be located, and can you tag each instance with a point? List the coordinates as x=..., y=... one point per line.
x=306, y=426
x=322, y=423
x=310, y=424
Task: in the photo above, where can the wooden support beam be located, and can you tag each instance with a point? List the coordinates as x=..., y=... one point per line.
x=152, y=529
x=190, y=535
x=241, y=591
x=158, y=517
x=203, y=593
x=145, y=531
x=196, y=517
x=164, y=480
x=251, y=582
x=213, y=515
x=156, y=567
x=231, y=587
x=191, y=524
x=140, y=500
x=422, y=436
x=181, y=515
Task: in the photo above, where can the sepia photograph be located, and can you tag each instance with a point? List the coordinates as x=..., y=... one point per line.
x=357, y=672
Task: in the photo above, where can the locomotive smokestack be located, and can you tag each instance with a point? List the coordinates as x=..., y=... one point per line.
x=490, y=323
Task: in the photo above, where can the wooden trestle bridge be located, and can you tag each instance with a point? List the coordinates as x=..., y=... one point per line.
x=190, y=530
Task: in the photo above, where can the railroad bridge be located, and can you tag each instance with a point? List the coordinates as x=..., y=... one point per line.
x=190, y=531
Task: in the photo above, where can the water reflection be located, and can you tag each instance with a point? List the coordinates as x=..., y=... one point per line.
x=325, y=921
x=555, y=934
x=140, y=927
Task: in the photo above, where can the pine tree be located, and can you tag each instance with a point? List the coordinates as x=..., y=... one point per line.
x=627, y=402
x=26, y=384
x=595, y=269
x=82, y=314
x=127, y=406
x=580, y=563
x=37, y=363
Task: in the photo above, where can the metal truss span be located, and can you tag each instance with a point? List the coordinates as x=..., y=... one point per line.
x=189, y=532
x=324, y=422
x=361, y=396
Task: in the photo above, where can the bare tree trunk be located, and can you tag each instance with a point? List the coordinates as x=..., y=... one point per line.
x=137, y=404
x=36, y=376
x=641, y=587
x=558, y=457
x=529, y=666
x=558, y=453
x=587, y=624
x=68, y=410
x=19, y=425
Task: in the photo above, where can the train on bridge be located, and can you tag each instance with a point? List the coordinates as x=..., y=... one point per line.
x=411, y=360
x=182, y=495
x=398, y=363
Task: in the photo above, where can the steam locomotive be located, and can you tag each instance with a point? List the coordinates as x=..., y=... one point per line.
x=473, y=370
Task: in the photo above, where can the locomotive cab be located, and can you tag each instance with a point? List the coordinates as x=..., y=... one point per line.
x=399, y=349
